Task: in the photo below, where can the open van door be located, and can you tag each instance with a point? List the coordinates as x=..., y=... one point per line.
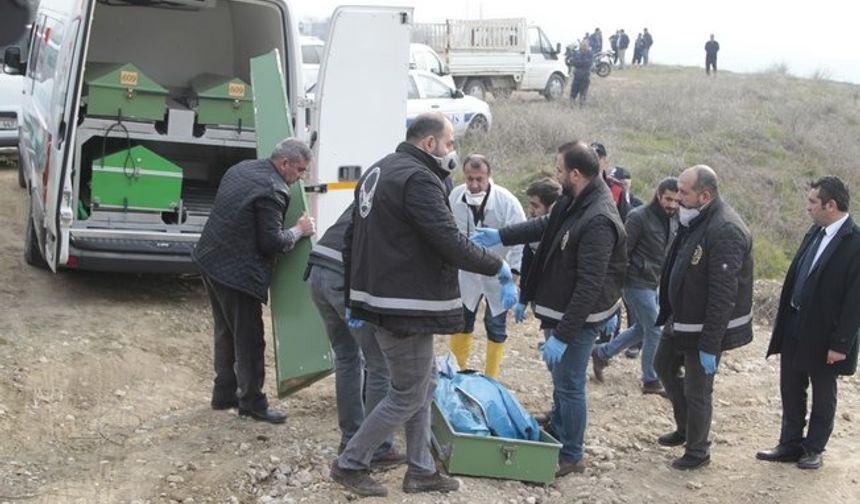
x=360, y=102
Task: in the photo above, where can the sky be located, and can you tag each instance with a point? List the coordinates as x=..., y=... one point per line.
x=807, y=37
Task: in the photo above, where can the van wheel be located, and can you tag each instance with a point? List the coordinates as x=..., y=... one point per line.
x=32, y=254
x=476, y=88
x=22, y=182
x=554, y=87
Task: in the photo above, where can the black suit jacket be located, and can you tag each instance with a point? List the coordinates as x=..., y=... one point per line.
x=830, y=306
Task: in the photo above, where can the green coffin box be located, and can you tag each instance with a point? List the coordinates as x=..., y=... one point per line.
x=494, y=457
x=136, y=179
x=122, y=90
x=223, y=101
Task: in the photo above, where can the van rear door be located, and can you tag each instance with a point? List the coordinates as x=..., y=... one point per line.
x=360, y=109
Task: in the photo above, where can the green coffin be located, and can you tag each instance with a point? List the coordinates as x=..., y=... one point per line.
x=122, y=90
x=136, y=179
x=223, y=101
x=494, y=457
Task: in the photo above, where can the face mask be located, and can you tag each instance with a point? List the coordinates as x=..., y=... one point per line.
x=449, y=162
x=686, y=215
x=475, y=199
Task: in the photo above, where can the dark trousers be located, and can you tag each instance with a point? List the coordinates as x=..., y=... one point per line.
x=579, y=87
x=691, y=393
x=793, y=385
x=710, y=63
x=240, y=347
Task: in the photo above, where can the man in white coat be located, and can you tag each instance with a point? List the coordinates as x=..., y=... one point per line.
x=481, y=203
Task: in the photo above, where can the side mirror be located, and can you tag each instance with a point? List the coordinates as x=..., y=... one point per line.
x=12, y=60
x=558, y=47
x=445, y=70
x=457, y=93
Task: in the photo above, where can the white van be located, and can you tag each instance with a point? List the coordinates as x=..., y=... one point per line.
x=172, y=44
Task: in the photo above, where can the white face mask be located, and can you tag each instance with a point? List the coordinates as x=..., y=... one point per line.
x=475, y=199
x=686, y=215
x=449, y=162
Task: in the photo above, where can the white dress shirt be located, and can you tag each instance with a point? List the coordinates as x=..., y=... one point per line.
x=829, y=232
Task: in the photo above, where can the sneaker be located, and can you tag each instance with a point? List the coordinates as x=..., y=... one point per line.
x=598, y=364
x=689, y=462
x=673, y=438
x=358, y=481
x=566, y=467
x=436, y=482
x=653, y=387
x=631, y=353
x=388, y=459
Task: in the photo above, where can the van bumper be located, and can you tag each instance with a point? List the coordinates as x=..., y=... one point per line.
x=131, y=256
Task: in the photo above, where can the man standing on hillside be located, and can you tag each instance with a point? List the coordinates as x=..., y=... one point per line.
x=575, y=285
x=647, y=42
x=650, y=231
x=613, y=44
x=712, y=47
x=479, y=202
x=401, y=254
x=596, y=41
x=581, y=61
x=236, y=252
x=706, y=307
x=816, y=327
x=623, y=44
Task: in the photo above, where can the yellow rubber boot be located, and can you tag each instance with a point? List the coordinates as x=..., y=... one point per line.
x=495, y=352
x=461, y=345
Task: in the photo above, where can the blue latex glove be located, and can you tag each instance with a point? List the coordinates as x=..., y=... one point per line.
x=519, y=312
x=486, y=237
x=351, y=322
x=708, y=361
x=509, y=289
x=552, y=350
x=505, y=275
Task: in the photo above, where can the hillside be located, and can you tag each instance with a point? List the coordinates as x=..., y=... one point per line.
x=767, y=135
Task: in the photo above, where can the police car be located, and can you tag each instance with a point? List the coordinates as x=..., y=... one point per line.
x=429, y=93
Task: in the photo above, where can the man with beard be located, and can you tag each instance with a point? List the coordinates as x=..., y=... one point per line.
x=575, y=284
x=706, y=307
x=650, y=231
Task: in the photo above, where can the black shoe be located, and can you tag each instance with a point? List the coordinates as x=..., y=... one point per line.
x=388, y=459
x=598, y=364
x=810, y=460
x=631, y=353
x=434, y=483
x=358, y=481
x=780, y=454
x=673, y=438
x=689, y=462
x=265, y=415
x=221, y=404
x=654, y=387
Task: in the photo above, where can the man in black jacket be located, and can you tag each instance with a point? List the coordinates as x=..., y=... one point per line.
x=236, y=253
x=650, y=230
x=647, y=42
x=581, y=61
x=712, y=47
x=401, y=255
x=705, y=307
x=623, y=44
x=575, y=284
x=816, y=327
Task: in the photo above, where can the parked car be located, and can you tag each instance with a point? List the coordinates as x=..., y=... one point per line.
x=428, y=92
x=11, y=87
x=423, y=57
x=313, y=49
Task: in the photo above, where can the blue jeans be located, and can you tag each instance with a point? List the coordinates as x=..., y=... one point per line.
x=357, y=358
x=495, y=326
x=642, y=311
x=569, y=379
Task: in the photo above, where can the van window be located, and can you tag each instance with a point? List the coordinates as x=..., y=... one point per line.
x=45, y=66
x=433, y=88
x=412, y=91
x=311, y=54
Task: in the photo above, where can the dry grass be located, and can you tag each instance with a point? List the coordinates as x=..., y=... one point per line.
x=767, y=135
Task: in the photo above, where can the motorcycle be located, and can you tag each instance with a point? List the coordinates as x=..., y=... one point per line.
x=603, y=63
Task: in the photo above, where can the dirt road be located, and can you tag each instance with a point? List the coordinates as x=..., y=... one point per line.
x=104, y=388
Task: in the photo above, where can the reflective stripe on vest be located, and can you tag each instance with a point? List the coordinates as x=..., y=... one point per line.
x=594, y=317
x=327, y=252
x=404, y=303
x=740, y=321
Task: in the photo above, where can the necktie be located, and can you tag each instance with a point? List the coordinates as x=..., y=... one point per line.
x=804, y=268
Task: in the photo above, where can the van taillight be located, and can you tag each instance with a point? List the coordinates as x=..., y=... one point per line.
x=72, y=262
x=47, y=169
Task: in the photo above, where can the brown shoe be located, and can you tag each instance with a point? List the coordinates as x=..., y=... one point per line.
x=436, y=482
x=598, y=364
x=388, y=459
x=566, y=467
x=358, y=481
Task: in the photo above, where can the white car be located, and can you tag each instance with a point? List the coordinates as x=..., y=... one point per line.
x=429, y=93
x=312, y=55
x=423, y=57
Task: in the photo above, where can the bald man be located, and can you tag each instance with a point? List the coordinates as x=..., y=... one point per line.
x=705, y=308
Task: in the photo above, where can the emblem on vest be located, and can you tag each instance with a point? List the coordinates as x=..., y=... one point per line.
x=564, y=239
x=365, y=194
x=697, y=255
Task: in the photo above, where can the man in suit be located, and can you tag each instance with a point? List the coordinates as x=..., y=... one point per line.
x=817, y=324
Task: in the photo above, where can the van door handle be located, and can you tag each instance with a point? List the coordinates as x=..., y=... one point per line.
x=61, y=134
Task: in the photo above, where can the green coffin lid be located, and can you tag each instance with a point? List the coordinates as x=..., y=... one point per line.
x=141, y=158
x=220, y=87
x=120, y=76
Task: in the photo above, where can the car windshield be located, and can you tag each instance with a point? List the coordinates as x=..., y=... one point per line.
x=432, y=88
